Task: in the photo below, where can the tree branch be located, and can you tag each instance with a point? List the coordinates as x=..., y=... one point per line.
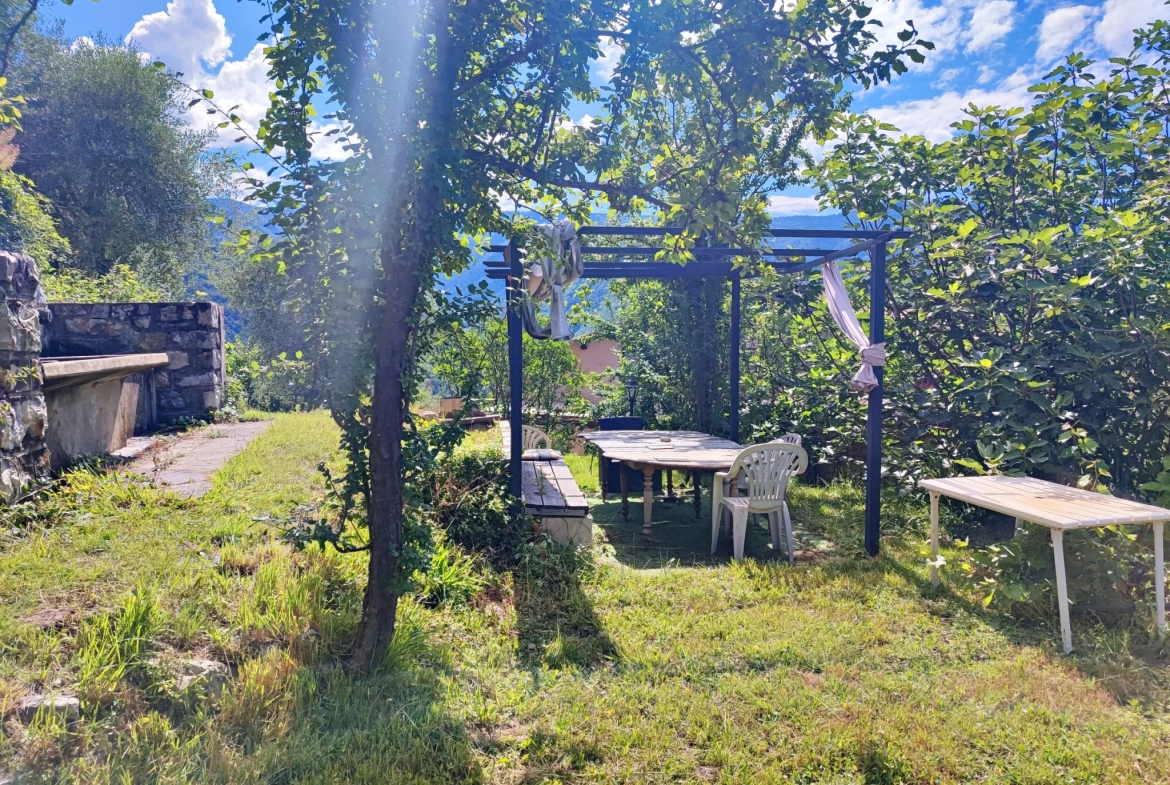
x=6, y=53
x=529, y=173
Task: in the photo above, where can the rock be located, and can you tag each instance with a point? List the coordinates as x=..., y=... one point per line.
x=211, y=676
x=67, y=707
x=209, y=316
x=198, y=380
x=178, y=360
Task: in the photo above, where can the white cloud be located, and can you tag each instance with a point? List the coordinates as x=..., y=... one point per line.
x=186, y=36
x=951, y=25
x=947, y=76
x=586, y=121
x=990, y=21
x=1060, y=29
x=939, y=23
x=932, y=117
x=242, y=83
x=329, y=142
x=611, y=51
x=986, y=74
x=1121, y=18
x=191, y=37
x=780, y=204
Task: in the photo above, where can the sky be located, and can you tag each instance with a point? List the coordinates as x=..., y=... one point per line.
x=987, y=52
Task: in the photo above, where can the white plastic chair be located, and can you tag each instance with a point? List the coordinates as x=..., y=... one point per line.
x=533, y=438
x=788, y=438
x=767, y=468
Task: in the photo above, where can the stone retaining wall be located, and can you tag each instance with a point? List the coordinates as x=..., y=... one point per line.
x=23, y=455
x=192, y=335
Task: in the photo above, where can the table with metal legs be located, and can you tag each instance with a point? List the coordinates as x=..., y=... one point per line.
x=1061, y=509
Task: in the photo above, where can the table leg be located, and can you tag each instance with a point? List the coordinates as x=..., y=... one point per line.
x=933, y=538
x=698, y=494
x=624, y=482
x=1062, y=589
x=647, y=499
x=670, y=485
x=603, y=476
x=1159, y=580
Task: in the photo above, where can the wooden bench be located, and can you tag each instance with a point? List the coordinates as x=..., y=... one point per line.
x=551, y=494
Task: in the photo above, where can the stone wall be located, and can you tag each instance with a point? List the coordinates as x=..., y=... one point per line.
x=191, y=334
x=23, y=455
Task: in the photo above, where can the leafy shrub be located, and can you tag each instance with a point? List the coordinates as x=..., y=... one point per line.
x=467, y=491
x=451, y=576
x=1108, y=569
x=278, y=385
x=119, y=285
x=26, y=219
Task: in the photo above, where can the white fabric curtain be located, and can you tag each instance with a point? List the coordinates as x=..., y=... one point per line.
x=548, y=276
x=872, y=354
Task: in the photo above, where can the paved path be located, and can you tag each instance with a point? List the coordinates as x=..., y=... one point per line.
x=185, y=465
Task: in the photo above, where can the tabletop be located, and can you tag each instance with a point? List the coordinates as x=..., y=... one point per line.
x=1046, y=503
x=667, y=449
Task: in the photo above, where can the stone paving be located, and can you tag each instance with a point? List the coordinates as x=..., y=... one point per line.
x=185, y=465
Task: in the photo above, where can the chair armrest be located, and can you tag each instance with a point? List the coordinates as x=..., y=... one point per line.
x=721, y=475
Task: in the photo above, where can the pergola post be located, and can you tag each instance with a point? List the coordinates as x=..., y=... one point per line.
x=873, y=429
x=735, y=297
x=515, y=365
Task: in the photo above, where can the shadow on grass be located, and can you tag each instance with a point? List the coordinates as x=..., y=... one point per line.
x=679, y=536
x=1104, y=647
x=330, y=726
x=556, y=623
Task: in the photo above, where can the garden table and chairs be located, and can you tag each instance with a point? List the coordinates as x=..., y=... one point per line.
x=651, y=451
x=764, y=470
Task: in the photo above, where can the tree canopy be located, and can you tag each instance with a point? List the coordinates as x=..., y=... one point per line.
x=103, y=138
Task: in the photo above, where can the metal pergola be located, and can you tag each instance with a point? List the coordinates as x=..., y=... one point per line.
x=637, y=261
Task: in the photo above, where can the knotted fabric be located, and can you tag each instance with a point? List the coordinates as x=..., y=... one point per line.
x=557, y=266
x=872, y=354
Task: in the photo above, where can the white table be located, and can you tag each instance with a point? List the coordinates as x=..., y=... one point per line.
x=649, y=451
x=1060, y=508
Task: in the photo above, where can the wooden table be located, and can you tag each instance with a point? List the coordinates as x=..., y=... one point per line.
x=1060, y=508
x=650, y=451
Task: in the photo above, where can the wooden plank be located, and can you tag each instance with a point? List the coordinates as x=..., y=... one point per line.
x=1046, y=503
x=548, y=489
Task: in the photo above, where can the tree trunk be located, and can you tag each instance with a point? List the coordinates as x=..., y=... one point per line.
x=409, y=245
x=380, y=604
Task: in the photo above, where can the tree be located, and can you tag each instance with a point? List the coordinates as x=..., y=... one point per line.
x=1031, y=303
x=103, y=138
x=449, y=105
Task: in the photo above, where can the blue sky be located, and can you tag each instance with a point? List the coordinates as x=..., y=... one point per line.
x=988, y=52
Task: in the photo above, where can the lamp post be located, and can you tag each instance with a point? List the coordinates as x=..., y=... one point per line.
x=631, y=393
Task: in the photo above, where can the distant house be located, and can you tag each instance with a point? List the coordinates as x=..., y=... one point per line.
x=596, y=356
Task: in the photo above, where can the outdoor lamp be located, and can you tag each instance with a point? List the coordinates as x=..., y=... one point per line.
x=631, y=393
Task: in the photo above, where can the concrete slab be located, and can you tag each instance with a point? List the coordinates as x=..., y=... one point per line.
x=186, y=464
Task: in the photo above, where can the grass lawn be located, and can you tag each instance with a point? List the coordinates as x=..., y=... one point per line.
x=634, y=664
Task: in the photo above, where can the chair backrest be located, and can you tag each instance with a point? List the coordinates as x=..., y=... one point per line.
x=788, y=438
x=535, y=439
x=769, y=467
x=620, y=423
